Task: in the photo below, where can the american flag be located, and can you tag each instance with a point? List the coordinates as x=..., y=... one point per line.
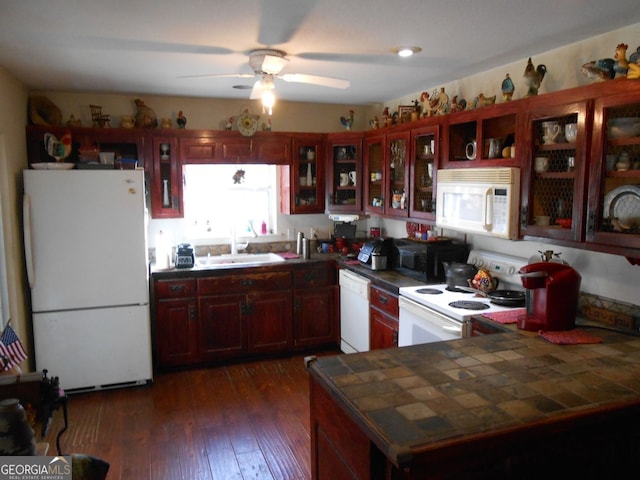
x=11, y=347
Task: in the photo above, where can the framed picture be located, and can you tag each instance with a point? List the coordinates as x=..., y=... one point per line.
x=404, y=112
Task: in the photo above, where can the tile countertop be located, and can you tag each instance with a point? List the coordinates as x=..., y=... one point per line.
x=421, y=398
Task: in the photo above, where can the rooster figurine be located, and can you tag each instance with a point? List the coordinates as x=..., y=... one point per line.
x=507, y=88
x=181, y=120
x=607, y=68
x=533, y=77
x=348, y=121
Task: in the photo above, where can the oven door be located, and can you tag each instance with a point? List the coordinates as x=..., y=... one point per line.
x=420, y=324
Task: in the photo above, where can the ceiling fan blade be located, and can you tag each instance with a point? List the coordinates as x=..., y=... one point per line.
x=219, y=75
x=316, y=80
x=280, y=19
x=256, y=92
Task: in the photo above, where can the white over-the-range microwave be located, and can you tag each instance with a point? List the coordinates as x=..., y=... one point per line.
x=482, y=201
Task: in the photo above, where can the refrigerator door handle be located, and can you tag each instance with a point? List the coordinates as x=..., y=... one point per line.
x=28, y=251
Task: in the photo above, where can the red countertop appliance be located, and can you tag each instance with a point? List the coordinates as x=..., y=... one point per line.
x=551, y=296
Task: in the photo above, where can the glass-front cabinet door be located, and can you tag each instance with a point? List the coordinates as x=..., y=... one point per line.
x=166, y=188
x=424, y=155
x=554, y=173
x=302, y=183
x=344, y=172
x=375, y=175
x=398, y=148
x=613, y=216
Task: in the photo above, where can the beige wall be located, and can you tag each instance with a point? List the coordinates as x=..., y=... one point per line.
x=13, y=159
x=211, y=113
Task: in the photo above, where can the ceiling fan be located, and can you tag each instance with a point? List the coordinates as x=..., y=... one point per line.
x=267, y=64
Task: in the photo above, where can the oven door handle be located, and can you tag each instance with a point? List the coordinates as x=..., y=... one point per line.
x=444, y=322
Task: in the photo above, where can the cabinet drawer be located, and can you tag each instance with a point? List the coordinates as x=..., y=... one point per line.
x=318, y=275
x=266, y=281
x=384, y=300
x=175, y=288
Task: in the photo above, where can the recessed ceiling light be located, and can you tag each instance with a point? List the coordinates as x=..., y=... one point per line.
x=406, y=51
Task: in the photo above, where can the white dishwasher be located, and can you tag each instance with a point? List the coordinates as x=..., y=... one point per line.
x=354, y=312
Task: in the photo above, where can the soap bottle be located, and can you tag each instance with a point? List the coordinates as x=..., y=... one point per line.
x=263, y=228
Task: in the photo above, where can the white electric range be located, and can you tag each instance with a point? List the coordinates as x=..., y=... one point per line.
x=432, y=313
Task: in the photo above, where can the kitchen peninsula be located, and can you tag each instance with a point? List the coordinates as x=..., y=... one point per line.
x=509, y=405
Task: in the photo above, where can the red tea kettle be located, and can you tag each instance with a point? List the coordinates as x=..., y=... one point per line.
x=551, y=296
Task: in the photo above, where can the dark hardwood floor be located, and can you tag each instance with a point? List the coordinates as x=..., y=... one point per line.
x=242, y=421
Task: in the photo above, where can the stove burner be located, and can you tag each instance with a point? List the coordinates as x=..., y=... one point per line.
x=457, y=290
x=469, y=305
x=429, y=291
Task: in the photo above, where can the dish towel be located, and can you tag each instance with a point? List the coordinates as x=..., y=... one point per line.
x=569, y=337
x=352, y=262
x=288, y=255
x=510, y=316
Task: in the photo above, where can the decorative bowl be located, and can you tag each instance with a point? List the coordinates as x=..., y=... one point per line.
x=564, y=222
x=624, y=127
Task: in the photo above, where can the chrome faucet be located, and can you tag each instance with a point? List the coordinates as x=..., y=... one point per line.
x=234, y=239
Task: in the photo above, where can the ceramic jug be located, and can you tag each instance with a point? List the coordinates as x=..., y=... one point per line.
x=352, y=177
x=344, y=179
x=551, y=132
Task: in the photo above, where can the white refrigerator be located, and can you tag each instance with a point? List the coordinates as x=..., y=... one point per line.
x=86, y=259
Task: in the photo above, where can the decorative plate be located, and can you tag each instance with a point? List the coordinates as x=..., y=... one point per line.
x=53, y=166
x=247, y=124
x=623, y=203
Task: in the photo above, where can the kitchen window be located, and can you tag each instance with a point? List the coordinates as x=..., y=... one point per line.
x=221, y=198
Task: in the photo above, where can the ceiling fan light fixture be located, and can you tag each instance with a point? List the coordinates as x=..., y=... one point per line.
x=406, y=51
x=268, y=97
x=268, y=101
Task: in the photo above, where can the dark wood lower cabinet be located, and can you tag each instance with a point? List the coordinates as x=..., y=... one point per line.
x=339, y=448
x=269, y=325
x=316, y=317
x=177, y=320
x=221, y=329
x=383, y=318
x=245, y=313
x=599, y=444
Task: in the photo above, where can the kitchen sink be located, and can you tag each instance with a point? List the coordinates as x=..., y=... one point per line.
x=239, y=260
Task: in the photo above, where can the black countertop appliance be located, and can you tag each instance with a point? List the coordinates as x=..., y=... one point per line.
x=185, y=257
x=423, y=260
x=377, y=253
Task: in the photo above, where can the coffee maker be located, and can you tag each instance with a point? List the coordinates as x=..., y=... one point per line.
x=551, y=296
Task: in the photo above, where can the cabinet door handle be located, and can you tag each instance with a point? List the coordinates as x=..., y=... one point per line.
x=246, y=308
x=591, y=222
x=177, y=288
x=192, y=312
x=524, y=217
x=395, y=338
x=383, y=300
x=246, y=283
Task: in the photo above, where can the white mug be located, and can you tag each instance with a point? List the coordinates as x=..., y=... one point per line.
x=470, y=150
x=352, y=176
x=571, y=132
x=541, y=164
x=344, y=179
